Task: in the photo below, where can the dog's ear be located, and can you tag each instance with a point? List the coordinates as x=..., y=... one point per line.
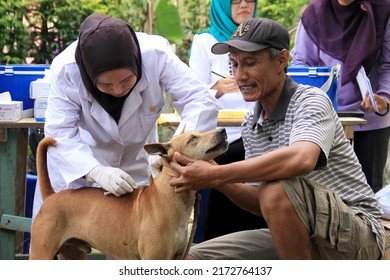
x=160, y=149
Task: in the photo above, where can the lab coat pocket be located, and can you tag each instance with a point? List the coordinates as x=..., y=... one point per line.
x=149, y=123
x=137, y=130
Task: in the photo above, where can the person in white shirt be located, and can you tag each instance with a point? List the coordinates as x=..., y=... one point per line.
x=221, y=215
x=106, y=94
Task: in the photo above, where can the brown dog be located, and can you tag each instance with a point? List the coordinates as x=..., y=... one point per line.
x=149, y=223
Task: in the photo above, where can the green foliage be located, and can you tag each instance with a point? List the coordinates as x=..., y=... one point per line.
x=53, y=26
x=195, y=16
x=40, y=29
x=167, y=21
x=131, y=11
x=13, y=34
x=287, y=12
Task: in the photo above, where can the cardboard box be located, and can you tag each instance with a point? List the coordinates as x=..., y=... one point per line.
x=16, y=79
x=39, y=88
x=11, y=111
x=40, y=105
x=318, y=76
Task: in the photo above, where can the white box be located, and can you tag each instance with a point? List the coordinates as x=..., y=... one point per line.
x=39, y=88
x=11, y=111
x=40, y=105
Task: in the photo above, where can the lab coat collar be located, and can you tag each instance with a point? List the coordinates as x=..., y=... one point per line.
x=134, y=100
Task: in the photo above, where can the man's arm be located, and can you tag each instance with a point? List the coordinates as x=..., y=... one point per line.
x=243, y=195
x=287, y=162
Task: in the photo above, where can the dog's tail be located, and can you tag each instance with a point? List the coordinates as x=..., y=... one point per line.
x=43, y=174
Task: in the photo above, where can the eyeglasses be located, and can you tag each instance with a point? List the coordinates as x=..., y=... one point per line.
x=239, y=1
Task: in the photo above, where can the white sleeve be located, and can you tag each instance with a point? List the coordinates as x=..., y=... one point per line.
x=191, y=97
x=199, y=61
x=62, y=123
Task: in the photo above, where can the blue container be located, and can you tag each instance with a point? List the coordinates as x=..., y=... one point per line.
x=31, y=181
x=16, y=79
x=318, y=76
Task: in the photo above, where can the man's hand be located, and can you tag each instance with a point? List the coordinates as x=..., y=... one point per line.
x=113, y=180
x=194, y=174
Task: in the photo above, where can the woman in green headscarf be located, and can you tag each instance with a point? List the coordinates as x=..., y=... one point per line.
x=222, y=216
x=225, y=17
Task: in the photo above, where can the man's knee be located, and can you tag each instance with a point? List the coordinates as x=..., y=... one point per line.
x=273, y=199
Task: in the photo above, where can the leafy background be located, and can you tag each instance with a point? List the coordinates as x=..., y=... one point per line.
x=36, y=31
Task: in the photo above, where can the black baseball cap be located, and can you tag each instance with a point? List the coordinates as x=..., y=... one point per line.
x=256, y=34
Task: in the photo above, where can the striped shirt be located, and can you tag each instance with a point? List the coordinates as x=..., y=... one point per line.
x=305, y=113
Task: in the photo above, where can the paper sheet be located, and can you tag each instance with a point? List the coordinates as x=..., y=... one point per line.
x=364, y=86
x=5, y=97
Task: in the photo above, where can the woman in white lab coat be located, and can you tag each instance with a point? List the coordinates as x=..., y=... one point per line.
x=107, y=92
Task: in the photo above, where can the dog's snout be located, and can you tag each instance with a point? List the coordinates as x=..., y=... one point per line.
x=222, y=132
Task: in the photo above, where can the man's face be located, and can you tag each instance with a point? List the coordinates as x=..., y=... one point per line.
x=259, y=76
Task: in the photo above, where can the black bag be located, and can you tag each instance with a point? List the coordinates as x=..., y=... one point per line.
x=35, y=136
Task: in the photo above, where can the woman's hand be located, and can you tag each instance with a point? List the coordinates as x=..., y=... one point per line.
x=225, y=85
x=380, y=102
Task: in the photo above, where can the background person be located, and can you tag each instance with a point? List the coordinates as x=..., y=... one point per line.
x=222, y=216
x=106, y=94
x=353, y=33
x=312, y=191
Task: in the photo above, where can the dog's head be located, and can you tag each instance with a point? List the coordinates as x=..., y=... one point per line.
x=195, y=145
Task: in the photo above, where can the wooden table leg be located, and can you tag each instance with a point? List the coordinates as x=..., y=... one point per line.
x=13, y=158
x=3, y=134
x=349, y=131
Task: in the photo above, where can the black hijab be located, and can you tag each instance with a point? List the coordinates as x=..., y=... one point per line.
x=352, y=34
x=107, y=43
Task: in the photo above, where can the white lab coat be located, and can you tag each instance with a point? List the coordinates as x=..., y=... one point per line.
x=87, y=135
x=202, y=62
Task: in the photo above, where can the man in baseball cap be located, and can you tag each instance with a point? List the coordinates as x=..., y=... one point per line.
x=300, y=166
x=256, y=34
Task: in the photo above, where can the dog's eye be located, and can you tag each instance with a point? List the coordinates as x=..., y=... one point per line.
x=192, y=138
